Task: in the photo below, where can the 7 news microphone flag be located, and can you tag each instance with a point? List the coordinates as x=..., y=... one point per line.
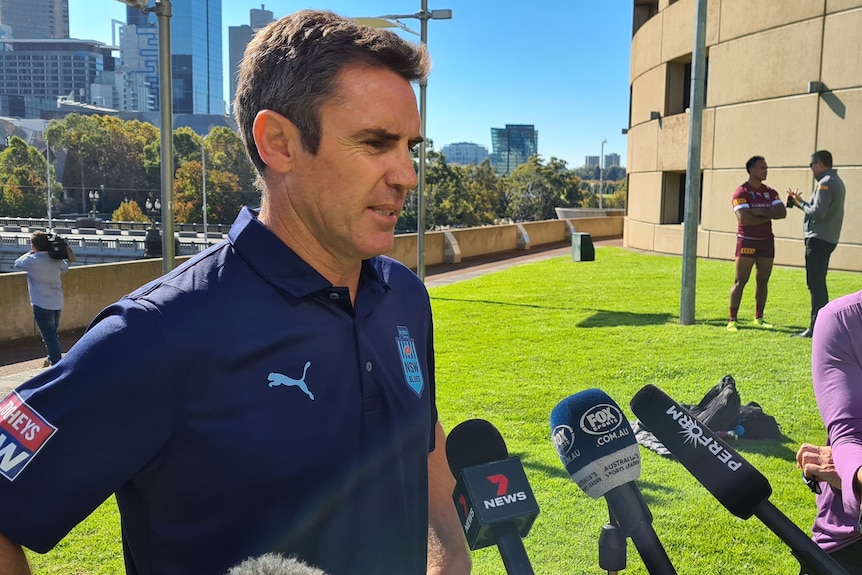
x=492, y=495
x=737, y=485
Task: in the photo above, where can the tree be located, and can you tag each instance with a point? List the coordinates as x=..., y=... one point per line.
x=23, y=181
x=226, y=152
x=129, y=212
x=103, y=151
x=223, y=198
x=533, y=190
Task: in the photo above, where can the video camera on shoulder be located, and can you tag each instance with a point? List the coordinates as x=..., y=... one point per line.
x=58, y=248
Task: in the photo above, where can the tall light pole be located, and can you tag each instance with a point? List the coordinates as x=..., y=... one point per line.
x=48, y=179
x=163, y=11
x=204, y=183
x=602, y=172
x=392, y=21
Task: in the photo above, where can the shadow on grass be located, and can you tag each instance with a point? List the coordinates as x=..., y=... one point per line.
x=746, y=325
x=605, y=318
x=506, y=303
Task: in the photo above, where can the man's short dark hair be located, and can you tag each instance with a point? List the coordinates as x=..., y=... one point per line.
x=291, y=67
x=822, y=156
x=751, y=161
x=40, y=241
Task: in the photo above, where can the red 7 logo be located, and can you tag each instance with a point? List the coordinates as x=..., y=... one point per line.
x=502, y=483
x=463, y=501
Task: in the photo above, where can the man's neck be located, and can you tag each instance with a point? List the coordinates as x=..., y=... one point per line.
x=754, y=182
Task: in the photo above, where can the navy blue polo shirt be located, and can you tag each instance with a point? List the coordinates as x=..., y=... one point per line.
x=238, y=405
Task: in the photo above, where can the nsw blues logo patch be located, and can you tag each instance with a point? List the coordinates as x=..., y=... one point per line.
x=23, y=432
x=409, y=360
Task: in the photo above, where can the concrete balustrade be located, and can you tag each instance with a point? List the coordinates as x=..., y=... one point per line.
x=89, y=288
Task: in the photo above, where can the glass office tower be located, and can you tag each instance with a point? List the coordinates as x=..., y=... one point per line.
x=512, y=146
x=196, y=60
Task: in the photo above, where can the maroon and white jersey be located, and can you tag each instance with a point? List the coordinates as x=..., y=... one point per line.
x=745, y=197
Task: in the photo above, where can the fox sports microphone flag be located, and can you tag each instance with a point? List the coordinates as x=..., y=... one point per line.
x=595, y=442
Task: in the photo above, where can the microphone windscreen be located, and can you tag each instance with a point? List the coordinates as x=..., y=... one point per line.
x=731, y=479
x=595, y=442
x=474, y=442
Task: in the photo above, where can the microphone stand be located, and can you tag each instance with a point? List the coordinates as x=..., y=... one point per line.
x=612, y=548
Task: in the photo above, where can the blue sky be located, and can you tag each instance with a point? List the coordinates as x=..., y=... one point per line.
x=561, y=65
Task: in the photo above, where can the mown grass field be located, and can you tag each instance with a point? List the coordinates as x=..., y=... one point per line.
x=512, y=344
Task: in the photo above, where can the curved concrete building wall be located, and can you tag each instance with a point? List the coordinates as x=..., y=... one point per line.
x=762, y=56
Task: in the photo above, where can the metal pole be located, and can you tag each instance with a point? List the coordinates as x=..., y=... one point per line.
x=692, y=174
x=204, y=178
x=420, y=204
x=163, y=12
x=48, y=179
x=602, y=172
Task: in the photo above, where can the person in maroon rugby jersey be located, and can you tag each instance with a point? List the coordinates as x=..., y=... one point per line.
x=755, y=205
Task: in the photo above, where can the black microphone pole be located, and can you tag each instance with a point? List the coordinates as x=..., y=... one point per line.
x=808, y=553
x=638, y=526
x=512, y=550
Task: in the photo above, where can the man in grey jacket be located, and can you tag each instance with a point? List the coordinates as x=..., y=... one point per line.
x=824, y=214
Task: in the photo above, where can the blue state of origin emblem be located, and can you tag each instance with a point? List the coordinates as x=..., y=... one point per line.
x=409, y=360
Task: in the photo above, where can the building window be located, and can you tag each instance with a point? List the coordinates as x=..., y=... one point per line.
x=678, y=89
x=644, y=10
x=673, y=198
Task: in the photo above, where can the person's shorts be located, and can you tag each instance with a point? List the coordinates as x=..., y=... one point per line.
x=747, y=248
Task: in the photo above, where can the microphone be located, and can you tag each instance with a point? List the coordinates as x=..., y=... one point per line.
x=737, y=485
x=492, y=495
x=274, y=564
x=597, y=447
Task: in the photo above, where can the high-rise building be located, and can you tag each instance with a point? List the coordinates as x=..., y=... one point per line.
x=36, y=19
x=196, y=59
x=612, y=160
x=465, y=153
x=238, y=39
x=591, y=161
x=512, y=146
x=35, y=73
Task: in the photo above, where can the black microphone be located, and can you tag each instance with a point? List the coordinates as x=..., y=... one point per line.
x=492, y=495
x=597, y=446
x=737, y=485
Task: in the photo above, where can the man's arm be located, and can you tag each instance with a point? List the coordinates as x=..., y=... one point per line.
x=12, y=559
x=747, y=217
x=71, y=255
x=447, y=548
x=777, y=211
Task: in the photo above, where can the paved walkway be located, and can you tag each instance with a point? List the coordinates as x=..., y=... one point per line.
x=22, y=359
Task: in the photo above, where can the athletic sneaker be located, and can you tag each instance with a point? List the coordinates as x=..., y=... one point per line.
x=731, y=326
x=760, y=322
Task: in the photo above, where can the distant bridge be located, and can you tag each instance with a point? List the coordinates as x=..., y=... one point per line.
x=95, y=241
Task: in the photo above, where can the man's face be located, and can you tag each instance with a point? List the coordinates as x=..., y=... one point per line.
x=817, y=166
x=759, y=170
x=349, y=195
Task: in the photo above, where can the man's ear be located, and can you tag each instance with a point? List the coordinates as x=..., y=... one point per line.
x=277, y=140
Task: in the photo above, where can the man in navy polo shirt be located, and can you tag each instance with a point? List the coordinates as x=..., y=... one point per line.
x=275, y=393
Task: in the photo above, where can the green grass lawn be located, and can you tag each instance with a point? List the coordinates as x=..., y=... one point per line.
x=512, y=344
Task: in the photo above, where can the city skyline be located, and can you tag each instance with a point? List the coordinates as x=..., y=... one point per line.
x=563, y=69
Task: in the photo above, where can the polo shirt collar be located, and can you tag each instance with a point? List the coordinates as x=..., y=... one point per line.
x=281, y=266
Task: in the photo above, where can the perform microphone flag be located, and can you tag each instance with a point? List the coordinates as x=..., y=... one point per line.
x=493, y=498
x=597, y=447
x=734, y=482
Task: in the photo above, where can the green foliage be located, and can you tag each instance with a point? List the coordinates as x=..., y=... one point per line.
x=512, y=344
x=103, y=150
x=23, y=181
x=534, y=189
x=129, y=212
